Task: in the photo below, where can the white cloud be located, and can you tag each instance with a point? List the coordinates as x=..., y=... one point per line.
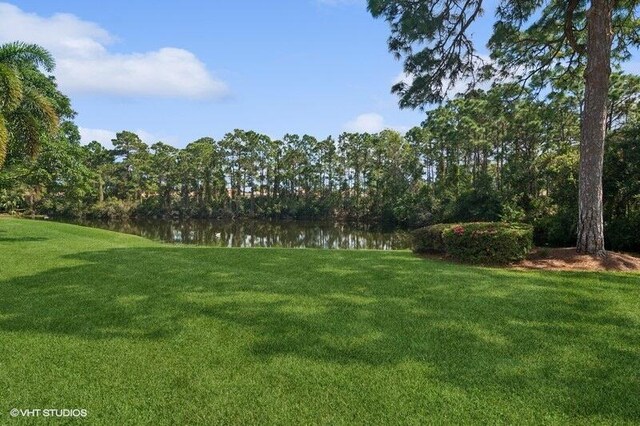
x=459, y=87
x=101, y=135
x=85, y=65
x=403, y=77
x=104, y=136
x=462, y=85
x=371, y=123
x=167, y=72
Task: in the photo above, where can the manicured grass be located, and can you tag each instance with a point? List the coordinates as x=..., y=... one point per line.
x=138, y=332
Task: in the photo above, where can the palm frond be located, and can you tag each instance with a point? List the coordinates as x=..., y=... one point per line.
x=39, y=106
x=21, y=53
x=10, y=88
x=29, y=99
x=4, y=141
x=32, y=136
x=26, y=132
x=46, y=85
x=32, y=121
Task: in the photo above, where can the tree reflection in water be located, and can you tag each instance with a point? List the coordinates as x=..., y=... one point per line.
x=291, y=234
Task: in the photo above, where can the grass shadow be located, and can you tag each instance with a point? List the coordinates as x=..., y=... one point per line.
x=21, y=239
x=475, y=328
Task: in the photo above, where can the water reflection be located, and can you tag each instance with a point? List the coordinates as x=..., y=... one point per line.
x=293, y=234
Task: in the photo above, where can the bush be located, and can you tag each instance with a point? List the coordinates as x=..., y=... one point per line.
x=622, y=233
x=429, y=239
x=474, y=206
x=488, y=242
x=149, y=207
x=558, y=230
x=111, y=209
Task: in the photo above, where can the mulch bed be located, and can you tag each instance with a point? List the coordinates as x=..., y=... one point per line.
x=567, y=259
x=564, y=259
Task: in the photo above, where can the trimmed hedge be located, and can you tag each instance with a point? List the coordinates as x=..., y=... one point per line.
x=429, y=239
x=480, y=242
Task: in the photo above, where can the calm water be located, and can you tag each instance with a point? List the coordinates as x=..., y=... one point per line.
x=294, y=234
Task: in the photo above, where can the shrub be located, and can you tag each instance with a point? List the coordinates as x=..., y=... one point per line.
x=111, y=209
x=488, y=242
x=429, y=239
x=558, y=230
x=474, y=206
x=148, y=207
x=622, y=233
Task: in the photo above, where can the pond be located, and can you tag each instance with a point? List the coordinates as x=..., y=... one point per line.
x=291, y=234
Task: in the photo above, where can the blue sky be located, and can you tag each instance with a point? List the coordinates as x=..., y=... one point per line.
x=300, y=66
x=179, y=70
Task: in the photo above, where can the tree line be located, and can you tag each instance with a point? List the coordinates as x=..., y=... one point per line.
x=506, y=153
x=499, y=154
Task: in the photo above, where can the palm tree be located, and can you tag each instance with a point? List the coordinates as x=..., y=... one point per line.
x=28, y=105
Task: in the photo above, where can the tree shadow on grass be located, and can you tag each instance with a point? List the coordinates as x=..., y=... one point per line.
x=21, y=239
x=506, y=332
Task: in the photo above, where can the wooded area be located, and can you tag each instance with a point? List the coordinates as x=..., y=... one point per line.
x=500, y=154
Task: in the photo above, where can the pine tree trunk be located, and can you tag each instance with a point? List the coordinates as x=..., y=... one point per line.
x=100, y=189
x=594, y=124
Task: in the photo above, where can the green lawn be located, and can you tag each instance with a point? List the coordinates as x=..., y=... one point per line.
x=139, y=332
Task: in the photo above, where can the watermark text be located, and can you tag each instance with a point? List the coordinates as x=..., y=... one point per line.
x=48, y=412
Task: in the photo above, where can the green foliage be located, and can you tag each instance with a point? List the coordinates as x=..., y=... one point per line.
x=503, y=154
x=112, y=208
x=545, y=44
x=474, y=206
x=623, y=232
x=476, y=242
x=26, y=54
x=30, y=104
x=557, y=230
x=622, y=188
x=11, y=200
x=416, y=207
x=511, y=212
x=481, y=157
x=535, y=42
x=430, y=238
x=488, y=242
x=446, y=49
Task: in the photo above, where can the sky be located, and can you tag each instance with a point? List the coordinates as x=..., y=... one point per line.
x=175, y=71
